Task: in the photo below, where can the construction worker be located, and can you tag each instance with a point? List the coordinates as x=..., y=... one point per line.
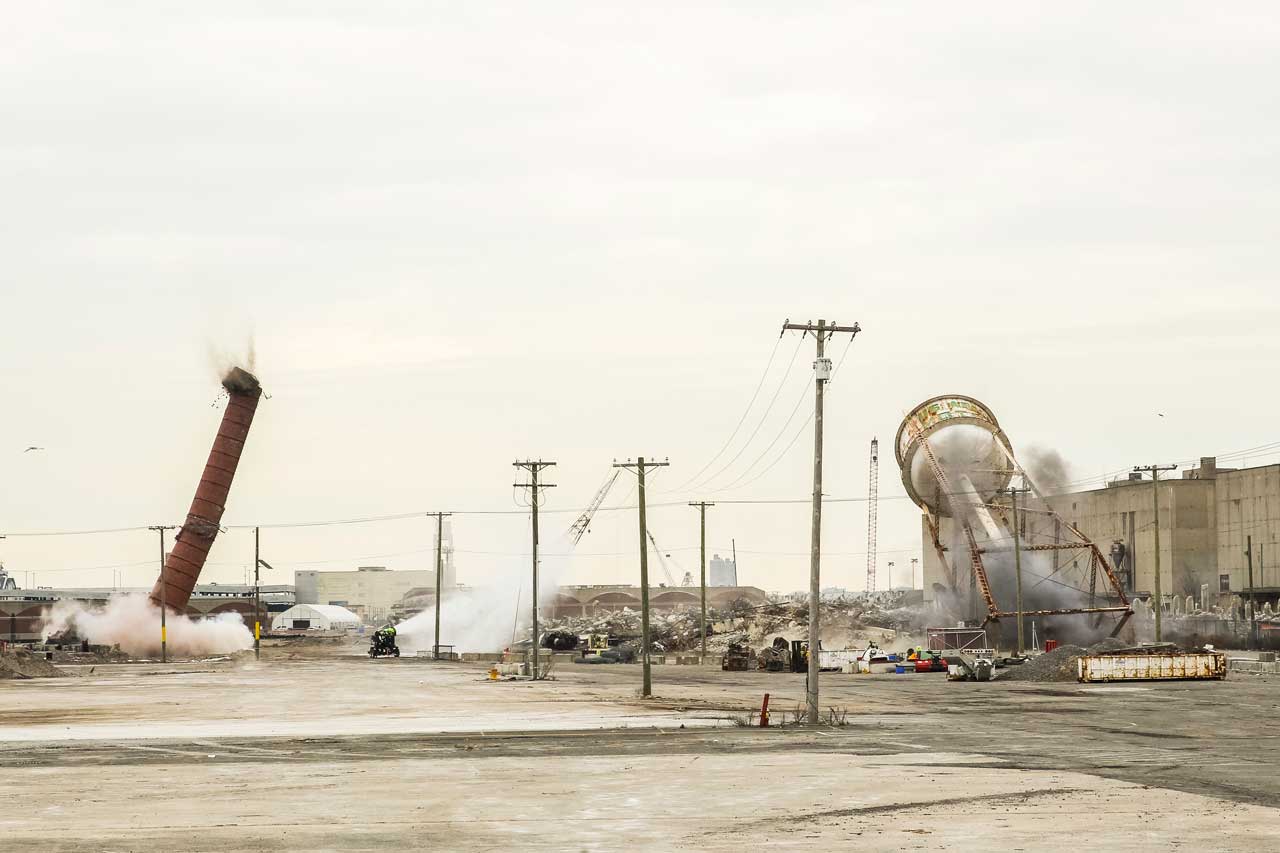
x=913, y=654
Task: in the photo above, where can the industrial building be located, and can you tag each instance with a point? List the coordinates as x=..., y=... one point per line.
x=22, y=610
x=606, y=598
x=722, y=571
x=370, y=591
x=1213, y=522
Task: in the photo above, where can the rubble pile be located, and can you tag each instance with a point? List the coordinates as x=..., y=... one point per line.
x=21, y=663
x=668, y=632
x=846, y=622
x=1060, y=664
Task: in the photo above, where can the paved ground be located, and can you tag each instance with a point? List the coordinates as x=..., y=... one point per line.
x=352, y=754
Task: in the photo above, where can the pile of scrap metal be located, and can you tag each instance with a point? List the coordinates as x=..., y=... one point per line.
x=775, y=658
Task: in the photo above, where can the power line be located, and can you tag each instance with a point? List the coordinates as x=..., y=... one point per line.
x=804, y=426
x=763, y=417
x=742, y=419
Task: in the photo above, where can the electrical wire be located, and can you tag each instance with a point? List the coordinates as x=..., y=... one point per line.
x=796, y=437
x=764, y=375
x=763, y=417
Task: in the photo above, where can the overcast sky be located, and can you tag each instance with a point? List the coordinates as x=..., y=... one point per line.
x=459, y=234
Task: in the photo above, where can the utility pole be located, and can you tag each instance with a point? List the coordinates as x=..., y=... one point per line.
x=257, y=597
x=873, y=510
x=915, y=562
x=702, y=518
x=164, y=589
x=1253, y=598
x=440, y=517
x=534, y=486
x=640, y=466
x=1017, y=559
x=822, y=331
x=1155, y=490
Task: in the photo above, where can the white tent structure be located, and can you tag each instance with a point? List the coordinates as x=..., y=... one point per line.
x=313, y=617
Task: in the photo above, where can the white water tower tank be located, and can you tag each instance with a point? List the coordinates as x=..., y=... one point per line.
x=967, y=442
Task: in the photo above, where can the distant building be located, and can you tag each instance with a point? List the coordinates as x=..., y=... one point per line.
x=1208, y=518
x=609, y=598
x=22, y=611
x=371, y=590
x=723, y=572
x=316, y=617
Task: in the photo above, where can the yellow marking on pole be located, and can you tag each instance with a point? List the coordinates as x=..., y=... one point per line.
x=163, y=637
x=257, y=630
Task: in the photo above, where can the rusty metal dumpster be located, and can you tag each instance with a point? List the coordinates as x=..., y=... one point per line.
x=1152, y=667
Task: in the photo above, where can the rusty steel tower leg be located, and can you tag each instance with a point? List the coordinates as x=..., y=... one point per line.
x=191, y=547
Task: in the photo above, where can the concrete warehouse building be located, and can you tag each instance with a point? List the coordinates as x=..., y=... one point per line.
x=372, y=590
x=1209, y=516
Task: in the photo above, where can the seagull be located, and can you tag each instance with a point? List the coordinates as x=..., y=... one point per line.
x=31, y=448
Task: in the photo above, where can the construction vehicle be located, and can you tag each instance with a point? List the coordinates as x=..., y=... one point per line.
x=930, y=661
x=593, y=644
x=737, y=658
x=383, y=643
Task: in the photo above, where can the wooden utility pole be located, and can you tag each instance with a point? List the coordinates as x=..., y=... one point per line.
x=1253, y=598
x=702, y=519
x=257, y=598
x=440, y=517
x=1017, y=559
x=534, y=486
x=1155, y=490
x=640, y=466
x=822, y=332
x=164, y=631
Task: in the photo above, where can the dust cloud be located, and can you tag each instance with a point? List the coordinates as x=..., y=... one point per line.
x=487, y=618
x=1048, y=470
x=132, y=622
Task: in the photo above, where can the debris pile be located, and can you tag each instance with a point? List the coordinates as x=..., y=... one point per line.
x=1060, y=664
x=21, y=663
x=846, y=622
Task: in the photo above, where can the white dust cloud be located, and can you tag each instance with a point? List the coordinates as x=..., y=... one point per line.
x=132, y=622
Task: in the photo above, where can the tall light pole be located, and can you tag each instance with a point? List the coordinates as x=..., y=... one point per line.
x=822, y=331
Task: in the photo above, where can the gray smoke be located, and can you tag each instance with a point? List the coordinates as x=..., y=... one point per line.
x=1047, y=469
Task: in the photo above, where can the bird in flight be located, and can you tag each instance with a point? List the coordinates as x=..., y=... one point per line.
x=31, y=448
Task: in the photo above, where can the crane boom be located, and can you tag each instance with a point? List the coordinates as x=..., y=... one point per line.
x=580, y=526
x=662, y=561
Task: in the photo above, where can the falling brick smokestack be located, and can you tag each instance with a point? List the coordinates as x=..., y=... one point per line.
x=183, y=564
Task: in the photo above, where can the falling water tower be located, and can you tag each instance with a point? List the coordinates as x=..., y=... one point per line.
x=957, y=465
